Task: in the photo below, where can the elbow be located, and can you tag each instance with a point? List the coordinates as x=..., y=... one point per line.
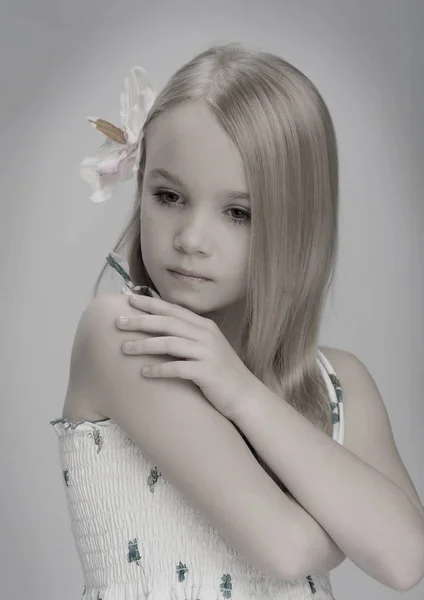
x=312, y=555
x=286, y=572
x=291, y=564
x=407, y=570
x=287, y=565
x=409, y=577
x=407, y=583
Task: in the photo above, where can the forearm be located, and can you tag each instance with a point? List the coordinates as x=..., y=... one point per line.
x=368, y=516
x=317, y=552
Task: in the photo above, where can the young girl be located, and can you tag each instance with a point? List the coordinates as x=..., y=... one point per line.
x=237, y=468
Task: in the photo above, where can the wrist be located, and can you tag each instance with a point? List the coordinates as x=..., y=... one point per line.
x=250, y=401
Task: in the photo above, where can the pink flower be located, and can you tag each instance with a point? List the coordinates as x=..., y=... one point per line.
x=119, y=155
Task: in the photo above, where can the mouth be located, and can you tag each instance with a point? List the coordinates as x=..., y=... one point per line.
x=188, y=278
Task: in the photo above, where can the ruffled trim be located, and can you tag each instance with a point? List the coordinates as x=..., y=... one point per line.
x=62, y=425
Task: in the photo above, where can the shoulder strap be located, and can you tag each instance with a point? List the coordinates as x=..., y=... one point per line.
x=120, y=264
x=336, y=397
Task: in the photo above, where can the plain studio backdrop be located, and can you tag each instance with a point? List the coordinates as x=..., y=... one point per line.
x=62, y=61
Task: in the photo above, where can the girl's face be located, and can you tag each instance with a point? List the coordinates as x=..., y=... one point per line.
x=194, y=215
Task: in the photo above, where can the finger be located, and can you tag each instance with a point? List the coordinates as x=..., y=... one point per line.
x=173, y=346
x=172, y=368
x=161, y=307
x=162, y=324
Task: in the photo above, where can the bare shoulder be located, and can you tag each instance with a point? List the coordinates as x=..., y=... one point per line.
x=361, y=398
x=368, y=431
x=96, y=327
x=334, y=356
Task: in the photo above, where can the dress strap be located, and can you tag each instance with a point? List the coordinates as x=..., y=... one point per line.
x=336, y=397
x=120, y=264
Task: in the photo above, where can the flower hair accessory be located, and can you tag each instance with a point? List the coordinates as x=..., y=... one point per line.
x=119, y=155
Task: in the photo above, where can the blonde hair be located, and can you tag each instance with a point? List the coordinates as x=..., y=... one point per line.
x=283, y=129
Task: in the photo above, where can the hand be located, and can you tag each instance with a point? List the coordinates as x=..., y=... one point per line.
x=208, y=359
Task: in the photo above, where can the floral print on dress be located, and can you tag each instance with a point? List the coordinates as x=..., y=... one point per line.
x=66, y=477
x=181, y=572
x=226, y=586
x=153, y=477
x=339, y=393
x=133, y=553
x=98, y=440
x=335, y=405
x=311, y=584
x=337, y=386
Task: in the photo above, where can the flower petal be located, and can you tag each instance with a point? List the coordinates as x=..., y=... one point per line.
x=112, y=164
x=100, y=195
x=114, y=160
x=137, y=97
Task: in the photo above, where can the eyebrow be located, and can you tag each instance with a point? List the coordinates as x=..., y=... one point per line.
x=230, y=194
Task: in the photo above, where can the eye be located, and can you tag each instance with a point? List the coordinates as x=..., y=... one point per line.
x=244, y=219
x=160, y=195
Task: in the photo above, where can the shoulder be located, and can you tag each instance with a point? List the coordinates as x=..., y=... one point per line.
x=366, y=416
x=97, y=320
x=335, y=355
x=99, y=306
x=96, y=352
x=95, y=326
x=346, y=365
x=362, y=401
x=97, y=330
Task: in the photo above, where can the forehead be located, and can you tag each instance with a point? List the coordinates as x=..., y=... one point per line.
x=188, y=140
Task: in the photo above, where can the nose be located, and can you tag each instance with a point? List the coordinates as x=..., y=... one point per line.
x=193, y=235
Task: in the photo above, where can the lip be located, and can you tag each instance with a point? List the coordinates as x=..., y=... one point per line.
x=187, y=279
x=189, y=274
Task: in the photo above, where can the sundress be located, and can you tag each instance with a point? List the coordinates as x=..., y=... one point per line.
x=136, y=535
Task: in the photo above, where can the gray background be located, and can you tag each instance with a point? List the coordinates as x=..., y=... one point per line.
x=62, y=61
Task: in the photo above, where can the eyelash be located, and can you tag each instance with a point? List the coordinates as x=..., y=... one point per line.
x=159, y=198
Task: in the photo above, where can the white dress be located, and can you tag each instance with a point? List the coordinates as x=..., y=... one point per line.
x=136, y=535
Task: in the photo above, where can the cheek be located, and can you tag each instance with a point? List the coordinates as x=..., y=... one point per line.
x=153, y=238
x=154, y=217
x=240, y=266
x=149, y=219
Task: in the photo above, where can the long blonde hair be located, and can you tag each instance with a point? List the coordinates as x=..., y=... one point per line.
x=282, y=127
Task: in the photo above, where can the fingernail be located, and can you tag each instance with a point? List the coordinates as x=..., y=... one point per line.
x=123, y=320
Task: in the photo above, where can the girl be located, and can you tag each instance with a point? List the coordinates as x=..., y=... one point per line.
x=228, y=471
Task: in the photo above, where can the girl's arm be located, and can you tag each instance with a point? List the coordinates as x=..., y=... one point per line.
x=360, y=493
x=193, y=445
